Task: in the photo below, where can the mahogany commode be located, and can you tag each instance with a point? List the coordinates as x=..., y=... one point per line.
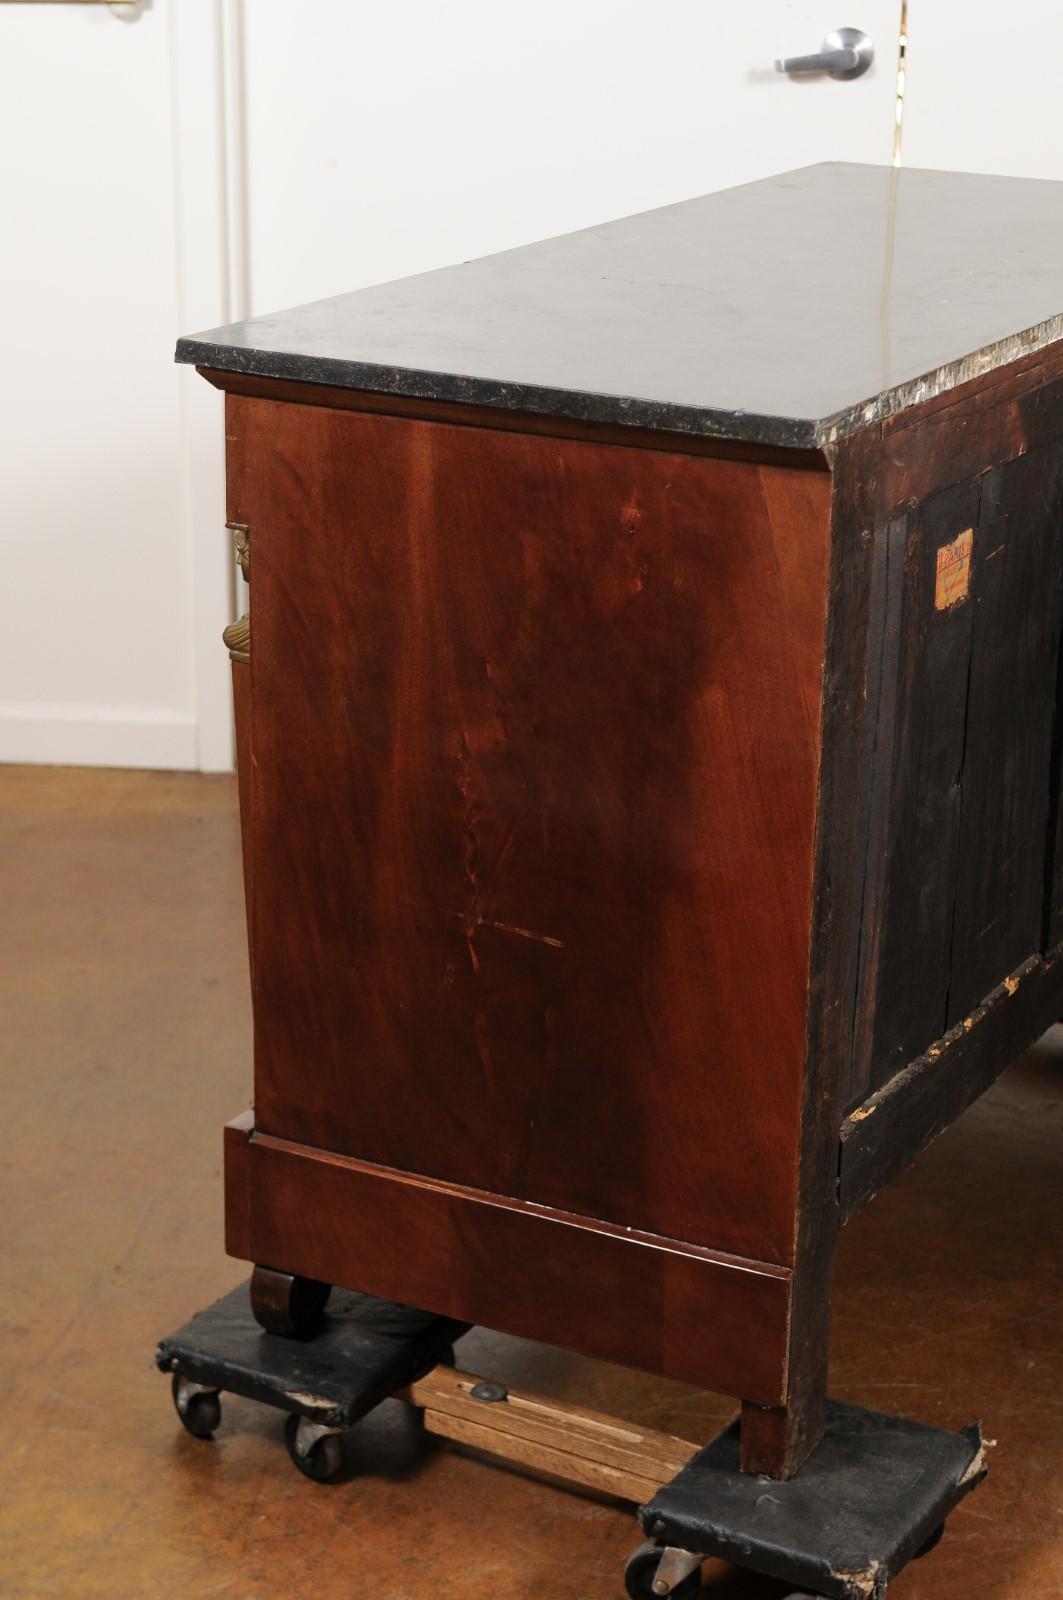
x=649, y=758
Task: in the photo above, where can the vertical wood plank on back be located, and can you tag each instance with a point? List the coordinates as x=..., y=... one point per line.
x=907, y=995
x=963, y=779
x=1052, y=935
x=1005, y=783
x=535, y=744
x=874, y=785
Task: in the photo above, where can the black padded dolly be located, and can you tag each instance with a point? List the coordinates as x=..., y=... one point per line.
x=873, y=1495
x=361, y=1351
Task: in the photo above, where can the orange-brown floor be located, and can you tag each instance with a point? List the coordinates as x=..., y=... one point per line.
x=125, y=1046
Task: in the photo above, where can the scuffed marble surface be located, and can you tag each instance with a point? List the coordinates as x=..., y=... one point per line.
x=789, y=312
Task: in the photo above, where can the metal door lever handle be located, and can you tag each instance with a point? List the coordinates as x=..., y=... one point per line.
x=846, y=53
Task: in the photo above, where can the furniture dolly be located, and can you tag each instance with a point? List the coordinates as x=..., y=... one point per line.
x=874, y=1494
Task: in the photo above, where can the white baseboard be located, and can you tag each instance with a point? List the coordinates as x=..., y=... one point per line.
x=97, y=736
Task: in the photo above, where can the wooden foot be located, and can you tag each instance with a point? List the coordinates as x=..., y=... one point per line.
x=776, y=1440
x=283, y=1303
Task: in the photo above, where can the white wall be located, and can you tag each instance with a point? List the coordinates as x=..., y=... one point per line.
x=984, y=87
x=100, y=599
x=168, y=166
x=387, y=139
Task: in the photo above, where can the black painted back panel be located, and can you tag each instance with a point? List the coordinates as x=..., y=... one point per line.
x=1011, y=709
x=963, y=745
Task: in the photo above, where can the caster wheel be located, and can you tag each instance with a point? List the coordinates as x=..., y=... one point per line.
x=198, y=1409
x=932, y=1543
x=323, y=1457
x=282, y=1303
x=641, y=1571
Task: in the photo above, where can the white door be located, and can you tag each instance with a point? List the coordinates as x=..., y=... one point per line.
x=113, y=577
x=983, y=87
x=387, y=139
x=173, y=164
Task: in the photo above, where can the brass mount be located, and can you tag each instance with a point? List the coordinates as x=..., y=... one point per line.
x=237, y=636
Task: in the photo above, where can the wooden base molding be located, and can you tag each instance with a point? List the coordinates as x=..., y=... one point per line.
x=524, y=1269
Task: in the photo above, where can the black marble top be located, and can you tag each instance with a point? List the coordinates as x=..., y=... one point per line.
x=789, y=311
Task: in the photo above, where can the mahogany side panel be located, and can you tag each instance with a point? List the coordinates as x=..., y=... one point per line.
x=535, y=735
x=609, y=1292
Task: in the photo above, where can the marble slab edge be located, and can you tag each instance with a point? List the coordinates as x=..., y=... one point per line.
x=797, y=433
x=413, y=384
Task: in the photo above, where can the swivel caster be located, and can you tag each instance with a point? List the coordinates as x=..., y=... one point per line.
x=198, y=1407
x=286, y=1304
x=654, y=1570
x=314, y=1449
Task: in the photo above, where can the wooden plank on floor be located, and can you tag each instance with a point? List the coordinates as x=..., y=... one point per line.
x=587, y=1447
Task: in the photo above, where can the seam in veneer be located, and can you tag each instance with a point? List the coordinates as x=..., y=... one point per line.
x=764, y=1269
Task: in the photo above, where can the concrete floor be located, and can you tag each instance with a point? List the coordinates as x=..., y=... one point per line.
x=125, y=1046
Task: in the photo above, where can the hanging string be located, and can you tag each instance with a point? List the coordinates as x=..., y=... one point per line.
x=902, y=52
